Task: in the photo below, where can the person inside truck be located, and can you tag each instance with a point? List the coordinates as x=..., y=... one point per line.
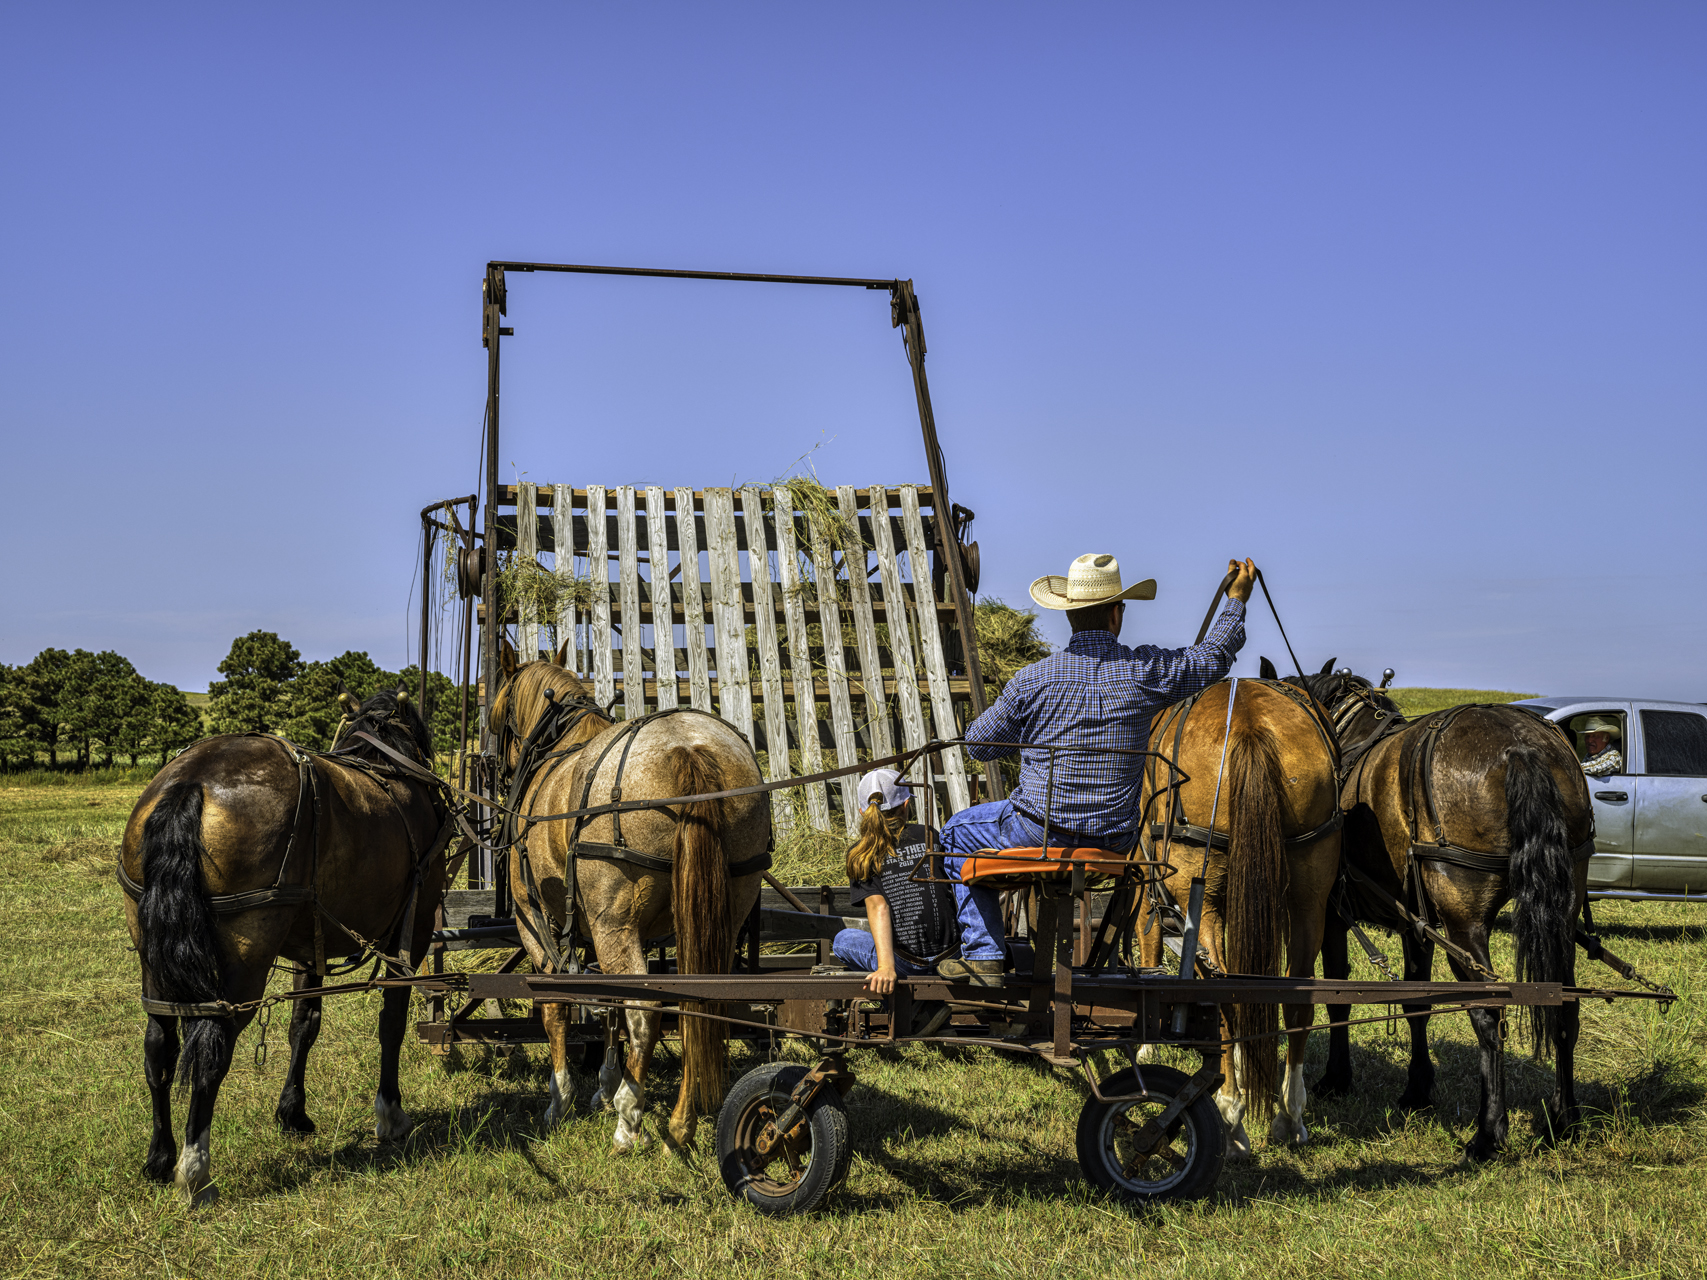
x=1603, y=737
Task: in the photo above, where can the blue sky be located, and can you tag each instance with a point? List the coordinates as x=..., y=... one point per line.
x=1408, y=302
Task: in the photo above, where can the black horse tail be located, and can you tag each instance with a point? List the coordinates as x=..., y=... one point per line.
x=180, y=948
x=1542, y=883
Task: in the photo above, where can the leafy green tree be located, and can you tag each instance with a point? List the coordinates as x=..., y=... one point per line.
x=41, y=687
x=104, y=704
x=314, y=710
x=172, y=721
x=13, y=743
x=255, y=695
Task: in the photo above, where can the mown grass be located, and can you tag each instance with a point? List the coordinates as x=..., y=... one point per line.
x=964, y=1161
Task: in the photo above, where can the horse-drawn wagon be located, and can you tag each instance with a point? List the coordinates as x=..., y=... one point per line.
x=763, y=646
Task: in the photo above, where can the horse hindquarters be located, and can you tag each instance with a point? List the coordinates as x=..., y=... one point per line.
x=699, y=903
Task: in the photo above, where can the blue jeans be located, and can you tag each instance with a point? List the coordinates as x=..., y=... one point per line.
x=857, y=949
x=996, y=825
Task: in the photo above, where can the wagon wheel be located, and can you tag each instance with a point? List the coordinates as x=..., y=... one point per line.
x=802, y=1169
x=1120, y=1153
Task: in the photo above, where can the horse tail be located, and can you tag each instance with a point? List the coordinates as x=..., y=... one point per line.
x=175, y=918
x=1542, y=882
x=699, y=899
x=1256, y=914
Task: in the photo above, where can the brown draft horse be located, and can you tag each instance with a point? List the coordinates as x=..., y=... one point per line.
x=1510, y=821
x=660, y=872
x=1270, y=865
x=244, y=849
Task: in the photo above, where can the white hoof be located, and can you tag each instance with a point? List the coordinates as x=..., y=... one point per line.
x=390, y=1121
x=1146, y=1053
x=630, y=1136
x=1287, y=1131
x=562, y=1104
x=1232, y=1111
x=194, y=1177
x=1288, y=1126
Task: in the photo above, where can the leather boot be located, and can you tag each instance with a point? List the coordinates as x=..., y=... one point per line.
x=980, y=973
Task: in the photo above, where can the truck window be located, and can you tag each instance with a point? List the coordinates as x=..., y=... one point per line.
x=1676, y=743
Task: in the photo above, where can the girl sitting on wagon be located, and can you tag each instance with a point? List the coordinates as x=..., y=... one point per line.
x=912, y=921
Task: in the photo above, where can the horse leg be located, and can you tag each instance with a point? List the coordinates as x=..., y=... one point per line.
x=1419, y=1082
x=1230, y=1097
x=391, y=1122
x=1307, y=918
x=562, y=1104
x=1490, y=1133
x=206, y=1059
x=1561, y=1115
x=159, y=1065
x=291, y=1113
x=629, y=1100
x=1337, y=1080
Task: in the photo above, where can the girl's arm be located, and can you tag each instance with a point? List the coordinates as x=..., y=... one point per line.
x=882, y=979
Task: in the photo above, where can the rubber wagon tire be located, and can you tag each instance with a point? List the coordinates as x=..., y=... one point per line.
x=1190, y=1159
x=800, y=1176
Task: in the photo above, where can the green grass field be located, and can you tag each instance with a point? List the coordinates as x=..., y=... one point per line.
x=964, y=1162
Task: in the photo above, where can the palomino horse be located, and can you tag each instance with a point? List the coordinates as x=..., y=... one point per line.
x=1447, y=820
x=1259, y=762
x=244, y=849
x=692, y=871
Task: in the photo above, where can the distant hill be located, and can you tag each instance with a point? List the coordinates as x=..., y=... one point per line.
x=1419, y=702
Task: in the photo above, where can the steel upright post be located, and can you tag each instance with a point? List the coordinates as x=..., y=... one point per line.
x=905, y=315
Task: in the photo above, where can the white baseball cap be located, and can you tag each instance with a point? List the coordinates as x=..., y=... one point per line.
x=887, y=784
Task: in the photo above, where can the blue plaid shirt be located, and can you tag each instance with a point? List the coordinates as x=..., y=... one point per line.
x=1097, y=692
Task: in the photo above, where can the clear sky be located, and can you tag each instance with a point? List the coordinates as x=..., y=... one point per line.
x=1406, y=301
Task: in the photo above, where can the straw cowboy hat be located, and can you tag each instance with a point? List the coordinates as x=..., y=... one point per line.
x=1603, y=724
x=1091, y=580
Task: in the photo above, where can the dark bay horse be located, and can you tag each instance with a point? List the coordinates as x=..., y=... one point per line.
x=692, y=871
x=244, y=849
x=1453, y=816
x=1269, y=864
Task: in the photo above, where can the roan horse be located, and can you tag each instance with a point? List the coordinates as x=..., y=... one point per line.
x=1448, y=819
x=640, y=876
x=246, y=848
x=1261, y=761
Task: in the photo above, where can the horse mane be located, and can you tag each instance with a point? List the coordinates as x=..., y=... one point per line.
x=393, y=718
x=522, y=696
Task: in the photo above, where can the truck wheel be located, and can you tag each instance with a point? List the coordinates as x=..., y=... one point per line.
x=1182, y=1162
x=802, y=1170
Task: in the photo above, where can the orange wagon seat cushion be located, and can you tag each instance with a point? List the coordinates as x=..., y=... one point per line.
x=1000, y=868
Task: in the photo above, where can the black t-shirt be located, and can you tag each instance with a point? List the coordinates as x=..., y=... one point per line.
x=923, y=914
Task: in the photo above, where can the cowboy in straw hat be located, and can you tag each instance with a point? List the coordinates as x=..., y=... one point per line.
x=1601, y=738
x=1096, y=692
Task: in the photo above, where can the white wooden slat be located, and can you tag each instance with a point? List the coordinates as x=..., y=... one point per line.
x=799, y=657
x=770, y=661
x=663, y=608
x=870, y=678
x=836, y=675
x=598, y=624
x=628, y=600
x=693, y=603
x=930, y=638
x=895, y=613
x=734, y=685
x=563, y=538
x=527, y=548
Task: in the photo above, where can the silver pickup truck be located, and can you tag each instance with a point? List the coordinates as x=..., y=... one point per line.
x=1650, y=814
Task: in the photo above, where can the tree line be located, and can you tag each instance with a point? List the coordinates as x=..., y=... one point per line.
x=83, y=705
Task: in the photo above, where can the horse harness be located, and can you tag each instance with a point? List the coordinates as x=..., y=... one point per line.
x=1188, y=832
x=557, y=944
x=304, y=843
x=1176, y=828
